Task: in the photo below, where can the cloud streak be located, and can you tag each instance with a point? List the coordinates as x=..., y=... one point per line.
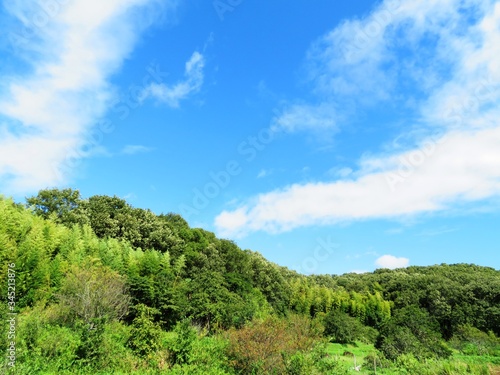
x=300, y=117
x=172, y=95
x=135, y=149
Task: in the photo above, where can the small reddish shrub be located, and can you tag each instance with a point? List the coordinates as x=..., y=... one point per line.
x=261, y=346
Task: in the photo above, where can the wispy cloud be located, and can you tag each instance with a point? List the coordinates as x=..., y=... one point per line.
x=172, y=95
x=129, y=197
x=339, y=172
x=300, y=117
x=135, y=149
x=461, y=104
x=264, y=173
x=437, y=231
x=49, y=109
x=392, y=262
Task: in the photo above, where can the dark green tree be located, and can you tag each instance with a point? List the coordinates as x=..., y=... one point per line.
x=412, y=331
x=342, y=328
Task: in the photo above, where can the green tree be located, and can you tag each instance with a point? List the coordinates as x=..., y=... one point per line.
x=412, y=331
x=63, y=206
x=342, y=328
x=112, y=217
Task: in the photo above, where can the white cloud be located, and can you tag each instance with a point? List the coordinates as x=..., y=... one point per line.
x=306, y=117
x=464, y=168
x=135, y=149
x=172, y=95
x=49, y=109
x=460, y=165
x=392, y=262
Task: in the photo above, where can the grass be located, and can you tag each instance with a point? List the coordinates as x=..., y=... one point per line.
x=359, y=351
x=458, y=364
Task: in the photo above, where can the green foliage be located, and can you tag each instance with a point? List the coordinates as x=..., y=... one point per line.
x=412, y=331
x=58, y=344
x=208, y=350
x=182, y=345
x=314, y=361
x=342, y=328
x=374, y=361
x=471, y=341
x=63, y=206
x=90, y=351
x=95, y=293
x=145, y=335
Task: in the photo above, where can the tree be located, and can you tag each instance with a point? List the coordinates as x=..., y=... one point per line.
x=112, y=217
x=63, y=206
x=342, y=328
x=412, y=331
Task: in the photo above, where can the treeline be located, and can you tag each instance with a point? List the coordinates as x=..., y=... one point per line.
x=99, y=281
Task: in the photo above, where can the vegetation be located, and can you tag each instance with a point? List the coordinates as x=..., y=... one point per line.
x=102, y=287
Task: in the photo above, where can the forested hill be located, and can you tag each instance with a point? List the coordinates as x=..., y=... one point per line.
x=134, y=264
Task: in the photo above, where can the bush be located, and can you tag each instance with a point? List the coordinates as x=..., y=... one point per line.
x=116, y=354
x=182, y=345
x=90, y=351
x=145, y=334
x=297, y=364
x=471, y=341
x=210, y=352
x=409, y=363
x=269, y=346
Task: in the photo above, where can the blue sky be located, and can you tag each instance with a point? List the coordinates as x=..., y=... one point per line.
x=332, y=137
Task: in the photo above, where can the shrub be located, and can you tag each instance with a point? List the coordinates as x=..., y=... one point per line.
x=145, y=334
x=409, y=363
x=297, y=364
x=269, y=346
x=90, y=351
x=210, y=352
x=182, y=345
x=471, y=341
x=94, y=293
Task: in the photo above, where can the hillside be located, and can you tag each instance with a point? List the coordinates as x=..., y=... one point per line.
x=103, y=286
